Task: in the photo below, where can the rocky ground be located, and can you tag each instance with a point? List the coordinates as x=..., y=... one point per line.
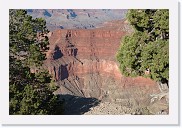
x=107, y=108
x=112, y=100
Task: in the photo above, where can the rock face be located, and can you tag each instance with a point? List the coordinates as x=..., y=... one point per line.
x=83, y=64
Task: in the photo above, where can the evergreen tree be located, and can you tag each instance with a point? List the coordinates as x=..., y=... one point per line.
x=146, y=51
x=29, y=93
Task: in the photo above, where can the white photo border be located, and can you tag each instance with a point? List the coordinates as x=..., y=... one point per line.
x=171, y=119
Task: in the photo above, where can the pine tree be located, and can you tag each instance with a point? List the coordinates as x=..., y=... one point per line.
x=29, y=93
x=146, y=51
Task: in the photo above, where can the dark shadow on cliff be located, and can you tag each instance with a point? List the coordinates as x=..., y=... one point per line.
x=64, y=72
x=58, y=54
x=75, y=52
x=75, y=105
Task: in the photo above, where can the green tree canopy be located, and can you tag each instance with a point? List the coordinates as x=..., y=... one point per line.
x=23, y=39
x=147, y=48
x=29, y=93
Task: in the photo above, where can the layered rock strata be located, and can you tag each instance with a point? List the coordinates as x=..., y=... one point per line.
x=83, y=64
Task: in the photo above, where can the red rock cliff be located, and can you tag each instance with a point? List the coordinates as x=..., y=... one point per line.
x=75, y=56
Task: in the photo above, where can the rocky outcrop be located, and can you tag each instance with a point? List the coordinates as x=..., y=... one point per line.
x=83, y=64
x=84, y=51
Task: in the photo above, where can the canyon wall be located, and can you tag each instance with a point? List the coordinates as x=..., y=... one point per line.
x=83, y=63
x=87, y=51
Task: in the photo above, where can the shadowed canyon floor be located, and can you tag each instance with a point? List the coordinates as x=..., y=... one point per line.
x=84, y=66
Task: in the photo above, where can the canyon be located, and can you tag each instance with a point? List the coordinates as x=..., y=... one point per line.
x=77, y=18
x=83, y=64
